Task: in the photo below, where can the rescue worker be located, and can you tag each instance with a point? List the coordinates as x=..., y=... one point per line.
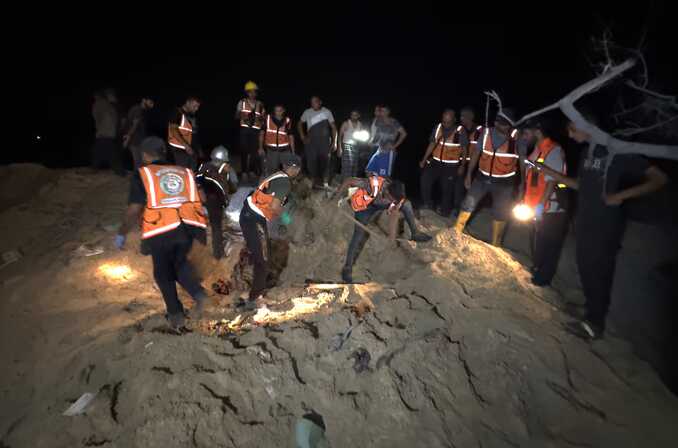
x=374, y=195
x=472, y=132
x=446, y=149
x=180, y=134
x=541, y=195
x=349, y=147
x=276, y=140
x=263, y=206
x=497, y=157
x=319, y=137
x=605, y=181
x=218, y=181
x=165, y=199
x=250, y=112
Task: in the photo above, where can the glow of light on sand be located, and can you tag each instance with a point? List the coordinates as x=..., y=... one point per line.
x=116, y=272
x=523, y=212
x=300, y=306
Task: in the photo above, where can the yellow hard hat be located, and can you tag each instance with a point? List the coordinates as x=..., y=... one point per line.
x=251, y=85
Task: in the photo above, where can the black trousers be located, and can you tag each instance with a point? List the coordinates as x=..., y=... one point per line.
x=597, y=247
x=106, y=153
x=182, y=158
x=249, y=147
x=274, y=157
x=255, y=232
x=444, y=174
x=364, y=217
x=215, y=209
x=501, y=191
x=317, y=158
x=548, y=236
x=169, y=252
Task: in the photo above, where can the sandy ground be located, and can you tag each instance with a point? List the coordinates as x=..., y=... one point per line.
x=445, y=345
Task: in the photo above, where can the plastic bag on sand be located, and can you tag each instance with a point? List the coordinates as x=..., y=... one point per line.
x=86, y=251
x=235, y=205
x=309, y=435
x=79, y=406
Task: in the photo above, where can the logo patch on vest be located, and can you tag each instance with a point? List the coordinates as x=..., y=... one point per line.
x=172, y=184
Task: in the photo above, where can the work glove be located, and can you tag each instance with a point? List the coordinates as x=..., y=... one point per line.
x=285, y=218
x=539, y=211
x=119, y=241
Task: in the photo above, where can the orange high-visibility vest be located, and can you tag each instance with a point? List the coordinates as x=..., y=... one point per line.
x=535, y=181
x=501, y=162
x=362, y=198
x=171, y=199
x=473, y=137
x=277, y=137
x=185, y=130
x=260, y=200
x=447, y=150
x=246, y=118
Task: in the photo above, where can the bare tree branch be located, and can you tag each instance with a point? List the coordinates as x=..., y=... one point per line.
x=638, y=130
x=633, y=85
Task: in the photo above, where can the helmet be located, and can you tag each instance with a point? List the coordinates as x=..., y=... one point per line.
x=219, y=154
x=251, y=85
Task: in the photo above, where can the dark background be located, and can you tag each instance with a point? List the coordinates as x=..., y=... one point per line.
x=418, y=59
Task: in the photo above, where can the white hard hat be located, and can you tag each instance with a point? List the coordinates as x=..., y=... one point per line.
x=219, y=154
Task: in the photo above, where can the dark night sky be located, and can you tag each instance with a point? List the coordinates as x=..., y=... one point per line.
x=417, y=60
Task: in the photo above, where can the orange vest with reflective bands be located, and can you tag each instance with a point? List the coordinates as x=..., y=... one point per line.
x=171, y=199
x=277, y=137
x=362, y=198
x=260, y=201
x=473, y=137
x=185, y=130
x=447, y=150
x=535, y=182
x=246, y=119
x=502, y=162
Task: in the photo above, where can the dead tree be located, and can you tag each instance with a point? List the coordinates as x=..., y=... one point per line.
x=661, y=108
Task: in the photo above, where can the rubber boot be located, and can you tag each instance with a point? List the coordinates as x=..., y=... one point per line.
x=498, y=228
x=462, y=219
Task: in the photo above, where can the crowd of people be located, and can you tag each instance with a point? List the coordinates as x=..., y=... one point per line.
x=522, y=168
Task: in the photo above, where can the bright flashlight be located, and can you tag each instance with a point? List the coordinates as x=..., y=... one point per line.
x=117, y=272
x=523, y=212
x=361, y=136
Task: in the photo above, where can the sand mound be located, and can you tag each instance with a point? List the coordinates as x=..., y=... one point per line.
x=445, y=344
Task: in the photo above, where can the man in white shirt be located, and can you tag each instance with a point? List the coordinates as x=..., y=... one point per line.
x=319, y=137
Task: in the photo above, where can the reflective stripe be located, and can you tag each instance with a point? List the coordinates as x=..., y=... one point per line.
x=540, y=160
x=375, y=186
x=445, y=161
x=176, y=145
x=497, y=175
x=221, y=168
x=191, y=183
x=562, y=186
x=280, y=145
x=451, y=144
x=151, y=186
x=195, y=223
x=501, y=154
x=216, y=183
x=474, y=142
x=254, y=208
x=186, y=129
x=161, y=229
x=514, y=133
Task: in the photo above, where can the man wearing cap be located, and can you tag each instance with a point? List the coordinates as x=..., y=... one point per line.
x=218, y=180
x=250, y=113
x=165, y=199
x=265, y=205
x=496, y=156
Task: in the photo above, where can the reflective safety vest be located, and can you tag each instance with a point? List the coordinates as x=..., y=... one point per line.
x=447, y=149
x=260, y=200
x=185, y=130
x=277, y=137
x=473, y=137
x=535, y=182
x=171, y=199
x=250, y=118
x=362, y=198
x=500, y=162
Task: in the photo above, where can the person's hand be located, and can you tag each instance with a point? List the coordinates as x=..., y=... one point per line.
x=539, y=211
x=467, y=183
x=261, y=152
x=119, y=241
x=422, y=164
x=613, y=200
